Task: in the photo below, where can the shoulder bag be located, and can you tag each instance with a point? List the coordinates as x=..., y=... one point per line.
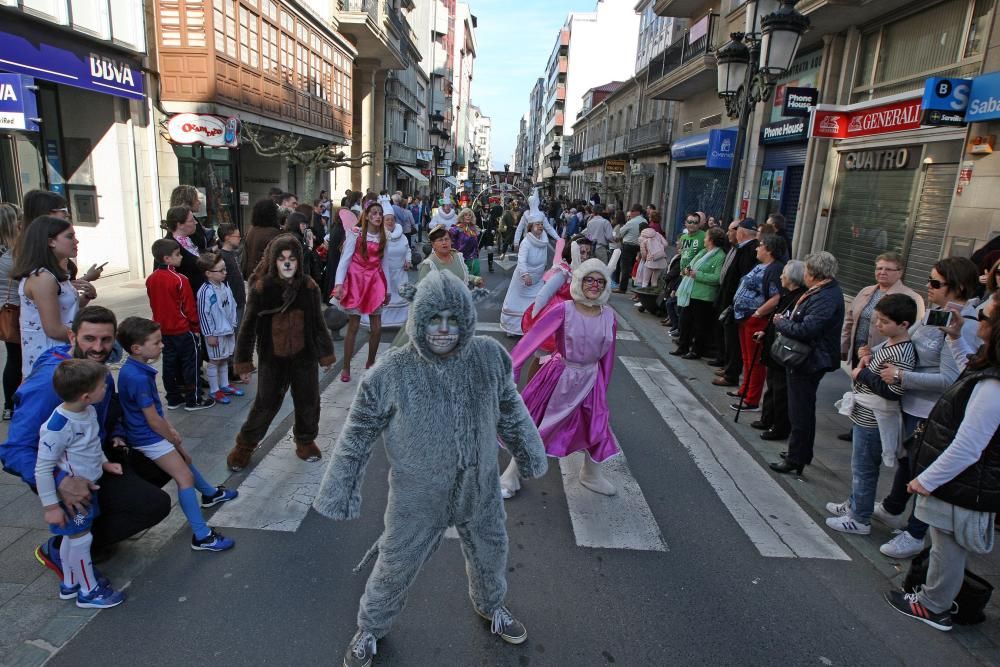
x=788, y=351
x=10, y=320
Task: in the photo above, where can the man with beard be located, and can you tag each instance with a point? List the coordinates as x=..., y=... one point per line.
x=130, y=502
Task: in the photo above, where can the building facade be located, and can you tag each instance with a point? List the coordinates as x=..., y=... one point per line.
x=81, y=122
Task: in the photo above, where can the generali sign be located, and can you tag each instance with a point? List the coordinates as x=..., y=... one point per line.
x=831, y=122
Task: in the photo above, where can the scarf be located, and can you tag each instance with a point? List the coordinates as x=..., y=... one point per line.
x=186, y=243
x=687, y=283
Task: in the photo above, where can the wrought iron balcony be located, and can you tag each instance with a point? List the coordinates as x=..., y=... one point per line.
x=369, y=7
x=655, y=134
x=401, y=153
x=575, y=160
x=687, y=65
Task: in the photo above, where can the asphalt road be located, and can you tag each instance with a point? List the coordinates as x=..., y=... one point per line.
x=282, y=598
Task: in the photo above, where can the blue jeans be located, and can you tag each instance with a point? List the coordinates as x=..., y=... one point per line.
x=866, y=457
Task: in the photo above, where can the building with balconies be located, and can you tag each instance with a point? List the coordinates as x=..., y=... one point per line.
x=464, y=58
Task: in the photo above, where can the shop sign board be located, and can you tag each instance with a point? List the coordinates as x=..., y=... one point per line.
x=798, y=100
x=881, y=159
x=789, y=130
x=839, y=123
x=945, y=101
x=72, y=62
x=18, y=106
x=614, y=166
x=721, y=146
x=204, y=129
x=984, y=99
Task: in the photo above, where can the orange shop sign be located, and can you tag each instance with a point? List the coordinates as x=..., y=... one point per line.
x=831, y=122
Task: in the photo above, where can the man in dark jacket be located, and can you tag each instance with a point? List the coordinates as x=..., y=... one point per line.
x=742, y=258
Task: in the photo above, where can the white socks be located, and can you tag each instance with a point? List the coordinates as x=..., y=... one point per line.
x=223, y=374
x=212, y=371
x=77, y=566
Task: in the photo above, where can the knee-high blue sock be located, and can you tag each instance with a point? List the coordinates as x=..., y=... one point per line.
x=188, y=500
x=201, y=483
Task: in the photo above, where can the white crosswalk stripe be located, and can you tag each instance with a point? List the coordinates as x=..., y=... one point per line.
x=772, y=520
x=278, y=493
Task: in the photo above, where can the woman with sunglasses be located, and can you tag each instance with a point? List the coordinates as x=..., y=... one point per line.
x=568, y=397
x=952, y=280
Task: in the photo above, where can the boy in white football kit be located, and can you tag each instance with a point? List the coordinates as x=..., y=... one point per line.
x=70, y=442
x=217, y=318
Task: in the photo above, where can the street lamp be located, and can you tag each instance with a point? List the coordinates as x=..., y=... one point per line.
x=554, y=161
x=750, y=65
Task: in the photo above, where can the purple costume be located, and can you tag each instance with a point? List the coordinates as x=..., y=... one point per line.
x=568, y=397
x=465, y=243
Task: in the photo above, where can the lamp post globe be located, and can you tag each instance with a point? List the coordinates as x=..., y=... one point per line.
x=732, y=60
x=781, y=33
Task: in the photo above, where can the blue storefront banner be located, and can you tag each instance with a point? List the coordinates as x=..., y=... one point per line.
x=72, y=62
x=984, y=100
x=715, y=146
x=18, y=106
x=721, y=146
x=945, y=101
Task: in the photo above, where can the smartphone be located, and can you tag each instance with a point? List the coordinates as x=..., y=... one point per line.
x=937, y=318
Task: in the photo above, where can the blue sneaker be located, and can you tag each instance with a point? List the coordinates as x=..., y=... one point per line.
x=232, y=391
x=47, y=554
x=68, y=592
x=212, y=542
x=221, y=495
x=101, y=597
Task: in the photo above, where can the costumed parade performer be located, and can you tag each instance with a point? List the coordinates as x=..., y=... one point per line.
x=441, y=446
x=553, y=293
x=568, y=398
x=465, y=239
x=487, y=240
x=284, y=321
x=526, y=281
x=397, y=263
x=446, y=211
x=361, y=287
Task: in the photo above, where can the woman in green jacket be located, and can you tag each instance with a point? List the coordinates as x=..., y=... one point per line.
x=696, y=296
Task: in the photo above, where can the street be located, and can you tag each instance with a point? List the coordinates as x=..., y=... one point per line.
x=701, y=557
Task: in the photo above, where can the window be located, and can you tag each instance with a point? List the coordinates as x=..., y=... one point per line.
x=269, y=8
x=224, y=12
x=947, y=39
x=269, y=49
x=249, y=29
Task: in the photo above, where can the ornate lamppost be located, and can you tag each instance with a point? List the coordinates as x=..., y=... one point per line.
x=750, y=65
x=554, y=161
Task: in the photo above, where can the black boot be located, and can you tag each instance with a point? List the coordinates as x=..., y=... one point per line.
x=489, y=260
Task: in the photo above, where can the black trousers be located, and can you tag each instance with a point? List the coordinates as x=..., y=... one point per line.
x=774, y=405
x=11, y=374
x=731, y=343
x=802, y=415
x=697, y=330
x=130, y=502
x=181, y=359
x=629, y=252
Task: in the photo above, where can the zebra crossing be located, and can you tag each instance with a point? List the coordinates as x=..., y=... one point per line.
x=278, y=493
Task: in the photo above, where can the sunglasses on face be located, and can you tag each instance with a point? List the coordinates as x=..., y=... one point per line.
x=936, y=284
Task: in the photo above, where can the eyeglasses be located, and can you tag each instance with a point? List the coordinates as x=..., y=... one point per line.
x=600, y=282
x=936, y=284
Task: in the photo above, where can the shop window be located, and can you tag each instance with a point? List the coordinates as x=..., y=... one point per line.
x=946, y=39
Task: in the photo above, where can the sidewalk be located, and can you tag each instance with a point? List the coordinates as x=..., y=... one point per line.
x=34, y=622
x=827, y=479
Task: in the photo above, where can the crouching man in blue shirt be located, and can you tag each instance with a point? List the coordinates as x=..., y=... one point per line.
x=130, y=502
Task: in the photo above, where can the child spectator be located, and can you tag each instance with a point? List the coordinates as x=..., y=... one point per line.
x=230, y=239
x=217, y=319
x=70, y=441
x=875, y=411
x=174, y=309
x=148, y=431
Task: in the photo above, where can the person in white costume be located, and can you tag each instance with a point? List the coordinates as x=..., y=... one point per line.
x=532, y=258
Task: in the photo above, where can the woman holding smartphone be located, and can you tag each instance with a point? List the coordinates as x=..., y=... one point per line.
x=952, y=283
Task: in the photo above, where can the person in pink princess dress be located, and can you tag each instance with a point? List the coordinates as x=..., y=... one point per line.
x=567, y=398
x=361, y=287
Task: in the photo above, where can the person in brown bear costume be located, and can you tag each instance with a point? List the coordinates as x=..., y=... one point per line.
x=284, y=319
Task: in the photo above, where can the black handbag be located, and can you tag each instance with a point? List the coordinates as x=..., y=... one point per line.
x=789, y=352
x=971, y=600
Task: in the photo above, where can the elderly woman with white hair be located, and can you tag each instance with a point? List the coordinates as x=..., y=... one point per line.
x=811, y=326
x=774, y=420
x=526, y=281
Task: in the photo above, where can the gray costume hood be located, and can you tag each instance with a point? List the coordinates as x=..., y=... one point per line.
x=437, y=291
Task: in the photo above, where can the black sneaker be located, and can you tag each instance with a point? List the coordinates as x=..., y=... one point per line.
x=745, y=407
x=760, y=424
x=221, y=495
x=200, y=404
x=504, y=624
x=361, y=650
x=173, y=405
x=909, y=605
x=214, y=541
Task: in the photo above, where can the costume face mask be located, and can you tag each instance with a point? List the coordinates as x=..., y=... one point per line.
x=442, y=332
x=287, y=264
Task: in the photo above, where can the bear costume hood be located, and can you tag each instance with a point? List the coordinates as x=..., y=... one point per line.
x=438, y=291
x=267, y=269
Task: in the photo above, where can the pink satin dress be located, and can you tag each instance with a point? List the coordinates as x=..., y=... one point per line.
x=568, y=397
x=365, y=286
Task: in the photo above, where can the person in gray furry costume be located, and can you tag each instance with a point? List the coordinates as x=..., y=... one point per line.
x=442, y=451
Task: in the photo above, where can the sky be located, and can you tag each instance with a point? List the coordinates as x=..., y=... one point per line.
x=515, y=39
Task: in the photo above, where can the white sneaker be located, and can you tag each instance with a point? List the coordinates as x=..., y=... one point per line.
x=902, y=546
x=839, y=509
x=894, y=521
x=845, y=524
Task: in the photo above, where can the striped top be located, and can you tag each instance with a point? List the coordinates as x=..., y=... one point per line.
x=903, y=356
x=216, y=309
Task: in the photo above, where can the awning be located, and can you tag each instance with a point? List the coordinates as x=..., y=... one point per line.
x=451, y=181
x=415, y=174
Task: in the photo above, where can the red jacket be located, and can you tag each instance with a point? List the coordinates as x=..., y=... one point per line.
x=172, y=302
